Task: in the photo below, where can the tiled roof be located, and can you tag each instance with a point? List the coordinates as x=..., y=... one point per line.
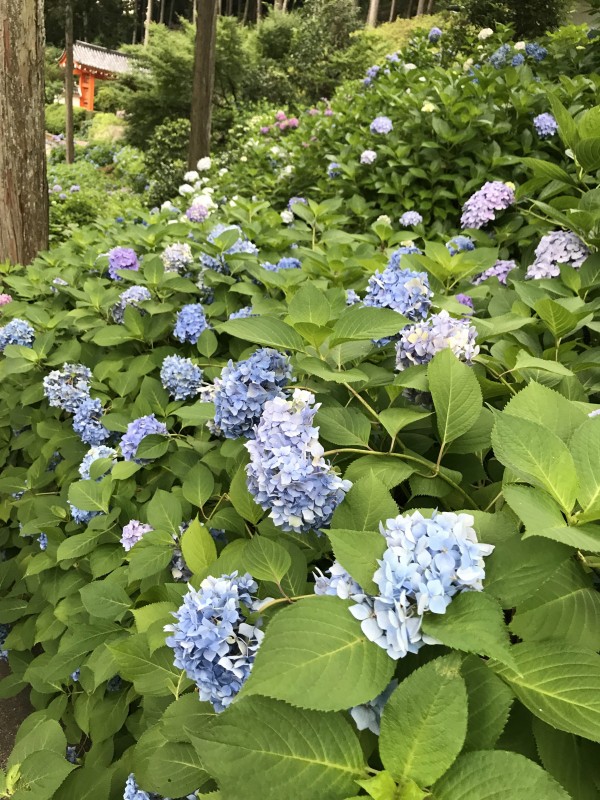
x=99, y=58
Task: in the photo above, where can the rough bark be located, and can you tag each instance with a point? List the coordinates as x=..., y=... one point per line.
x=23, y=186
x=203, y=81
x=373, y=13
x=70, y=149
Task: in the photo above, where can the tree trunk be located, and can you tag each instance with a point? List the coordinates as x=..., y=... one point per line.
x=23, y=186
x=373, y=13
x=171, y=13
x=203, y=81
x=245, y=16
x=421, y=8
x=392, y=11
x=148, y=21
x=430, y=6
x=409, y=9
x=162, y=12
x=70, y=153
x=135, y=21
x=258, y=12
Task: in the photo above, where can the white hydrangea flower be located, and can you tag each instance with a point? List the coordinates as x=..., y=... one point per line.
x=191, y=176
x=520, y=46
x=223, y=171
x=287, y=217
x=185, y=188
x=409, y=66
x=384, y=218
x=485, y=33
x=204, y=164
x=428, y=108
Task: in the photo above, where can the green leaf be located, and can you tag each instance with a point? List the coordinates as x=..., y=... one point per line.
x=546, y=169
x=147, y=615
x=587, y=153
x=547, y=407
x=306, y=755
x=585, y=447
x=364, y=323
x=424, y=723
x=90, y=495
x=197, y=414
x=42, y=773
x=536, y=455
x=242, y=500
x=557, y=318
x=164, y=512
x=357, y=552
x=473, y=622
x=309, y=304
x=366, y=504
x=567, y=758
x=266, y=560
x=394, y=419
x=388, y=471
x=171, y=767
x=540, y=369
x=105, y=599
x=87, y=783
x=347, y=426
x=198, y=547
x=314, y=366
x=456, y=395
x=150, y=674
x=489, y=702
x=560, y=686
x=497, y=775
x=152, y=446
x=315, y=655
x=267, y=331
x=198, y=485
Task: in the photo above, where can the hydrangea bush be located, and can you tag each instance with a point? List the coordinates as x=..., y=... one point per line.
x=328, y=528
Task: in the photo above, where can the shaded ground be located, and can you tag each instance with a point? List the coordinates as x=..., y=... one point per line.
x=12, y=712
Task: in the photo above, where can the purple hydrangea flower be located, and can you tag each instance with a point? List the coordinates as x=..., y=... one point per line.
x=420, y=342
x=130, y=297
x=199, y=210
x=557, y=247
x=368, y=157
x=500, y=270
x=136, y=431
x=545, y=125
x=460, y=244
x=87, y=422
x=381, y=125
x=410, y=218
x=133, y=532
x=191, y=322
x=465, y=300
x=435, y=34
x=121, y=258
x=16, y=332
x=180, y=377
x=480, y=208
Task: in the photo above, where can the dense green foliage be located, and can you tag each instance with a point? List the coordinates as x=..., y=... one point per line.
x=531, y=18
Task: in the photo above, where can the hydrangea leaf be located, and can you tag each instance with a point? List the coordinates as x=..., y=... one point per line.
x=242, y=500
x=88, y=782
x=456, y=395
x=196, y=414
x=357, y=552
x=266, y=560
x=151, y=674
x=42, y=773
x=389, y=471
x=394, y=419
x=164, y=512
x=198, y=485
x=424, y=723
x=489, y=702
x=557, y=318
x=267, y=331
x=170, y=768
x=358, y=323
x=497, y=775
x=347, y=426
x=315, y=655
x=105, y=599
x=367, y=503
x=584, y=447
x=567, y=758
x=541, y=404
x=152, y=446
x=309, y=304
x=91, y=495
x=198, y=547
x=281, y=751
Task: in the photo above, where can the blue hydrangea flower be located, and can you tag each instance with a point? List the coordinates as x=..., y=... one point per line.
x=410, y=218
x=372, y=71
x=405, y=250
x=402, y=290
x=133, y=532
x=243, y=389
x=435, y=34
x=287, y=262
x=87, y=422
x=243, y=313
x=294, y=200
x=420, y=342
x=334, y=170
x=18, y=331
x=480, y=208
x=381, y=125
x=287, y=473
x=536, y=51
x=71, y=754
x=114, y=684
x=338, y=583
x=136, y=431
x=121, y=258
x=93, y=454
x=518, y=59
x=133, y=792
x=212, y=640
x=499, y=58
x=500, y=270
x=80, y=516
x=130, y=297
x=180, y=377
x=43, y=541
x=67, y=388
x=191, y=322
x=460, y=244
x=177, y=257
x=241, y=245
x=368, y=157
x=4, y=631
x=75, y=675
x=352, y=297
x=545, y=125
x=557, y=247
x=367, y=716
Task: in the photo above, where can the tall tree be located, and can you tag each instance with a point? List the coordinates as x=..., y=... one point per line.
x=23, y=186
x=203, y=80
x=70, y=150
x=148, y=21
x=373, y=13
x=421, y=8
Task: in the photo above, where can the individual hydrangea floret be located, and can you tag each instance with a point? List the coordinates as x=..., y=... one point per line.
x=460, y=244
x=177, y=257
x=133, y=532
x=500, y=270
x=17, y=331
x=480, y=208
x=121, y=258
x=180, y=377
x=435, y=34
x=287, y=473
x=381, y=125
x=402, y=290
x=212, y=640
x=136, y=431
x=243, y=313
x=545, y=125
x=368, y=157
x=367, y=716
x=243, y=389
x=410, y=218
x=536, y=51
x=67, y=388
x=555, y=248
x=130, y=297
x=338, y=583
x=420, y=342
x=287, y=262
x=93, y=454
x=87, y=422
x=191, y=322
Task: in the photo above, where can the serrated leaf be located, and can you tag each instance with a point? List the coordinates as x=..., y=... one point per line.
x=387, y=470
x=357, y=552
x=90, y=495
x=164, y=512
x=540, y=369
x=41, y=775
x=150, y=674
x=198, y=485
x=424, y=723
x=567, y=758
x=557, y=318
x=172, y=767
x=394, y=419
x=266, y=560
x=105, y=599
x=489, y=702
x=267, y=331
x=152, y=446
x=198, y=547
x=347, y=426
x=456, y=395
x=365, y=323
x=585, y=447
x=309, y=304
x=547, y=407
x=315, y=655
x=366, y=504
x=242, y=500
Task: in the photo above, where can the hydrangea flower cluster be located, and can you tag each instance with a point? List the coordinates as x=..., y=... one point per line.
x=402, y=290
x=368, y=715
x=241, y=245
x=242, y=313
x=190, y=323
x=500, y=270
x=4, y=631
x=87, y=422
x=121, y=258
x=480, y=208
x=405, y=250
x=130, y=297
x=420, y=342
x=287, y=473
x=435, y=34
x=557, y=247
x=352, y=297
x=43, y=541
x=460, y=244
x=80, y=516
x=334, y=170
x=545, y=125
x=368, y=157
x=17, y=331
x=177, y=257
x=243, y=389
x=93, y=454
x=133, y=532
x=212, y=640
x=67, y=388
x=136, y=431
x=499, y=58
x=381, y=125
x=200, y=208
x=536, y=51
x=180, y=377
x=5, y=299
x=287, y=262
x=294, y=200
x=410, y=218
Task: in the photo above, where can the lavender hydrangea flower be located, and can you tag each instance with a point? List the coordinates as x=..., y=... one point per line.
x=368, y=157
x=136, y=431
x=199, y=210
x=367, y=716
x=191, y=322
x=133, y=532
x=480, y=208
x=557, y=247
x=405, y=250
x=287, y=473
x=177, y=257
x=93, y=454
x=420, y=342
x=67, y=388
x=500, y=270
x=545, y=125
x=133, y=792
x=294, y=200
x=460, y=244
x=536, y=51
x=410, y=218
x=180, y=377
x=435, y=34
x=243, y=389
x=212, y=640
x=87, y=422
x=243, y=313
x=382, y=125
x=130, y=297
x=16, y=332
x=287, y=262
x=352, y=297
x=75, y=675
x=121, y=258
x=402, y=290
x=465, y=300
